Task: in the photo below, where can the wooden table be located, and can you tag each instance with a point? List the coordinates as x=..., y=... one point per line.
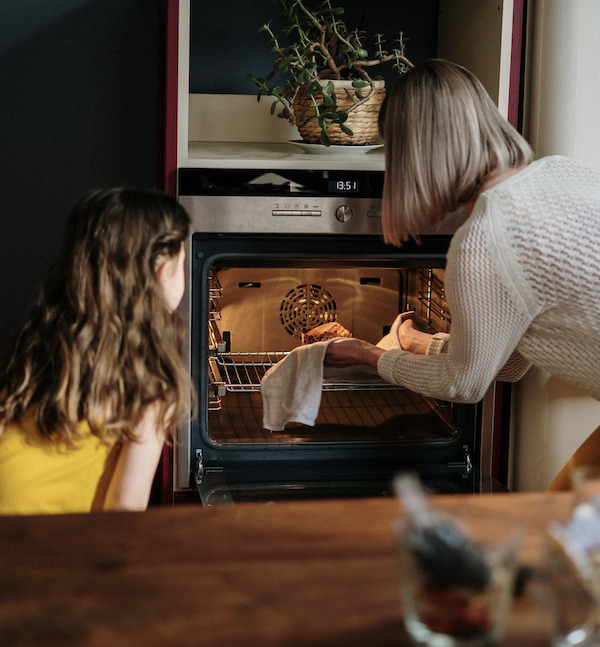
x=318, y=574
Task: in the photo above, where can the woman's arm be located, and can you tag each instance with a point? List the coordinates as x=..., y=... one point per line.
x=131, y=482
x=490, y=315
x=352, y=352
x=418, y=342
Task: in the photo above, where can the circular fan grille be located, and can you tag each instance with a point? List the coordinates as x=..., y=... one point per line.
x=305, y=307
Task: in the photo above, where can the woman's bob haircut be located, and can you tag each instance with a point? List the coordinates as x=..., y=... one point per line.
x=443, y=136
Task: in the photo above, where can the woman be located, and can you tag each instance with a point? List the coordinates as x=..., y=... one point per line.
x=523, y=272
x=95, y=382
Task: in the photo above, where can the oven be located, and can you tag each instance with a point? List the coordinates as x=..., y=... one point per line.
x=272, y=254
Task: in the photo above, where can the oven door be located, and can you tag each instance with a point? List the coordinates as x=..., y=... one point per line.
x=252, y=296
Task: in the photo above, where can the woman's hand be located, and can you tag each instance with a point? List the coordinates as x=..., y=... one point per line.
x=412, y=336
x=352, y=352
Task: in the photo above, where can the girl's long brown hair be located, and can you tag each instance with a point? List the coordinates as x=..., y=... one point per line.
x=100, y=343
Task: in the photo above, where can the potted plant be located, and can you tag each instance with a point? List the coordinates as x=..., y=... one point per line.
x=330, y=92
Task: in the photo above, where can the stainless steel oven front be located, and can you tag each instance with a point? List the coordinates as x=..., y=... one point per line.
x=272, y=254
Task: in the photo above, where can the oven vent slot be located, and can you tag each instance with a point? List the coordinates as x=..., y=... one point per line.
x=240, y=372
x=432, y=296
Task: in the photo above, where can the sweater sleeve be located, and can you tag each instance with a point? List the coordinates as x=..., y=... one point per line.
x=490, y=315
x=512, y=371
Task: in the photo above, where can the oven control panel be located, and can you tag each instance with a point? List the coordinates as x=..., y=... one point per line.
x=344, y=213
x=282, y=201
x=233, y=214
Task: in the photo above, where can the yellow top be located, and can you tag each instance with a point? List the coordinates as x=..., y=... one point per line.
x=42, y=477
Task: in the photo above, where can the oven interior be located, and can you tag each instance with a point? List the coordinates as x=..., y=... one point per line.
x=259, y=314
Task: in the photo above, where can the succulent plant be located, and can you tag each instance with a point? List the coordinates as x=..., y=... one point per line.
x=313, y=46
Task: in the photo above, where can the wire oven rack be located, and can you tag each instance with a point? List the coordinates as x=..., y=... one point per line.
x=431, y=295
x=240, y=372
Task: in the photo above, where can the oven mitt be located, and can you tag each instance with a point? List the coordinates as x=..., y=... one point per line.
x=291, y=389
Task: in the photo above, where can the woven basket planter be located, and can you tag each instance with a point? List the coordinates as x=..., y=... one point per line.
x=362, y=120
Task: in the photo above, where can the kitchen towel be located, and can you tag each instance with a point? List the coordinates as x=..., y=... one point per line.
x=291, y=389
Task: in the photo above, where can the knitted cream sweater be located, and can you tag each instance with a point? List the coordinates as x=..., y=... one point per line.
x=523, y=287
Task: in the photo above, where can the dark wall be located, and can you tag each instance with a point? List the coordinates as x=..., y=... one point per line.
x=80, y=86
x=225, y=43
x=79, y=110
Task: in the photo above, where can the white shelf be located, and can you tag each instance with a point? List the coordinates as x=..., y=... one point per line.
x=276, y=156
x=214, y=130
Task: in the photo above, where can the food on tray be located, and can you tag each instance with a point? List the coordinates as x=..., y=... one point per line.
x=329, y=330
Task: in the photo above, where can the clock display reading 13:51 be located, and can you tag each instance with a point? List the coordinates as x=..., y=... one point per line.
x=343, y=186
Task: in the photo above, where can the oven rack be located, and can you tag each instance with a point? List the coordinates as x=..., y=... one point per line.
x=216, y=343
x=432, y=296
x=215, y=292
x=242, y=372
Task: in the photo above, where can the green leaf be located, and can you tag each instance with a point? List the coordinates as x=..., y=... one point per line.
x=314, y=88
x=359, y=83
x=346, y=130
x=325, y=138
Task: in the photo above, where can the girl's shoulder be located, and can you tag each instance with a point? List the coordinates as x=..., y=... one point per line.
x=26, y=432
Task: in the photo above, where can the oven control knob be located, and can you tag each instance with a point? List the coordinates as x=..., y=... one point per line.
x=344, y=213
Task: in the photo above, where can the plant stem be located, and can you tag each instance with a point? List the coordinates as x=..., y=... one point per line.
x=328, y=57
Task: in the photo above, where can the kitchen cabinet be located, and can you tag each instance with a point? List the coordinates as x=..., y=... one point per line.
x=210, y=129
x=204, y=128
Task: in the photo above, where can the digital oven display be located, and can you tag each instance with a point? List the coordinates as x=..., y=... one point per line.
x=343, y=186
x=281, y=182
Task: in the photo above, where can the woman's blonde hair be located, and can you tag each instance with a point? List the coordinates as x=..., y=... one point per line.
x=443, y=135
x=100, y=343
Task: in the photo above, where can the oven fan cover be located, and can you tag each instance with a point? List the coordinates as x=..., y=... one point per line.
x=305, y=307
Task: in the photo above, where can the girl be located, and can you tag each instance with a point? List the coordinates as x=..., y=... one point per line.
x=523, y=272
x=95, y=381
